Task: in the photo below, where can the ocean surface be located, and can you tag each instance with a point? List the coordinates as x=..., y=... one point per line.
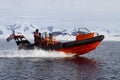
x=100, y=64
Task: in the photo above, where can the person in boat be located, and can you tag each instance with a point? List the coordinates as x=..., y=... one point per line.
x=40, y=39
x=50, y=37
x=50, y=41
x=36, y=37
x=36, y=34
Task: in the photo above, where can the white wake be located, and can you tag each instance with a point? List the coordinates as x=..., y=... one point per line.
x=32, y=53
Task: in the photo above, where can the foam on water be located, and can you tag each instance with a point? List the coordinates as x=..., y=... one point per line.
x=32, y=53
x=10, y=50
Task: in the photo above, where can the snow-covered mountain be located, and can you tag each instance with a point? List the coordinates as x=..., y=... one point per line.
x=18, y=28
x=28, y=29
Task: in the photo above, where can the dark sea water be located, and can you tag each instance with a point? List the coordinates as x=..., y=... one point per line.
x=100, y=64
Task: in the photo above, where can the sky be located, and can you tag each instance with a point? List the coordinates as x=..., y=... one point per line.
x=61, y=13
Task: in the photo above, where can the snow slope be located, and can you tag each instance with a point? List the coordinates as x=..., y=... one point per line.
x=28, y=29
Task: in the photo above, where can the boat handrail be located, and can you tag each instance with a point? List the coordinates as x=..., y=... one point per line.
x=84, y=29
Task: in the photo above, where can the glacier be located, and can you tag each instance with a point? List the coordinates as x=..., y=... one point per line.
x=28, y=29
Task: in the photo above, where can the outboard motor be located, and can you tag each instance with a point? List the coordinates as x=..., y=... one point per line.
x=21, y=41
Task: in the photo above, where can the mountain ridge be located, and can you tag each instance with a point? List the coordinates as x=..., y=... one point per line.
x=30, y=28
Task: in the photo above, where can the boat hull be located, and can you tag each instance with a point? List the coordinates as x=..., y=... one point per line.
x=83, y=46
x=73, y=47
x=82, y=49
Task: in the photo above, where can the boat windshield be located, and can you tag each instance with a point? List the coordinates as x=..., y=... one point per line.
x=83, y=31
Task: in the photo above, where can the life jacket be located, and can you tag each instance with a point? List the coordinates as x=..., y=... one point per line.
x=36, y=35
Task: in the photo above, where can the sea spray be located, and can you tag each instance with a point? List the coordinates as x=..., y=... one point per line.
x=32, y=53
x=10, y=50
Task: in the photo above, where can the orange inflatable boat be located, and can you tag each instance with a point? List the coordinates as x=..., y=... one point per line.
x=85, y=42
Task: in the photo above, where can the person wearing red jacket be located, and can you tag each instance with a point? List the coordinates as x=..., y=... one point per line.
x=36, y=37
